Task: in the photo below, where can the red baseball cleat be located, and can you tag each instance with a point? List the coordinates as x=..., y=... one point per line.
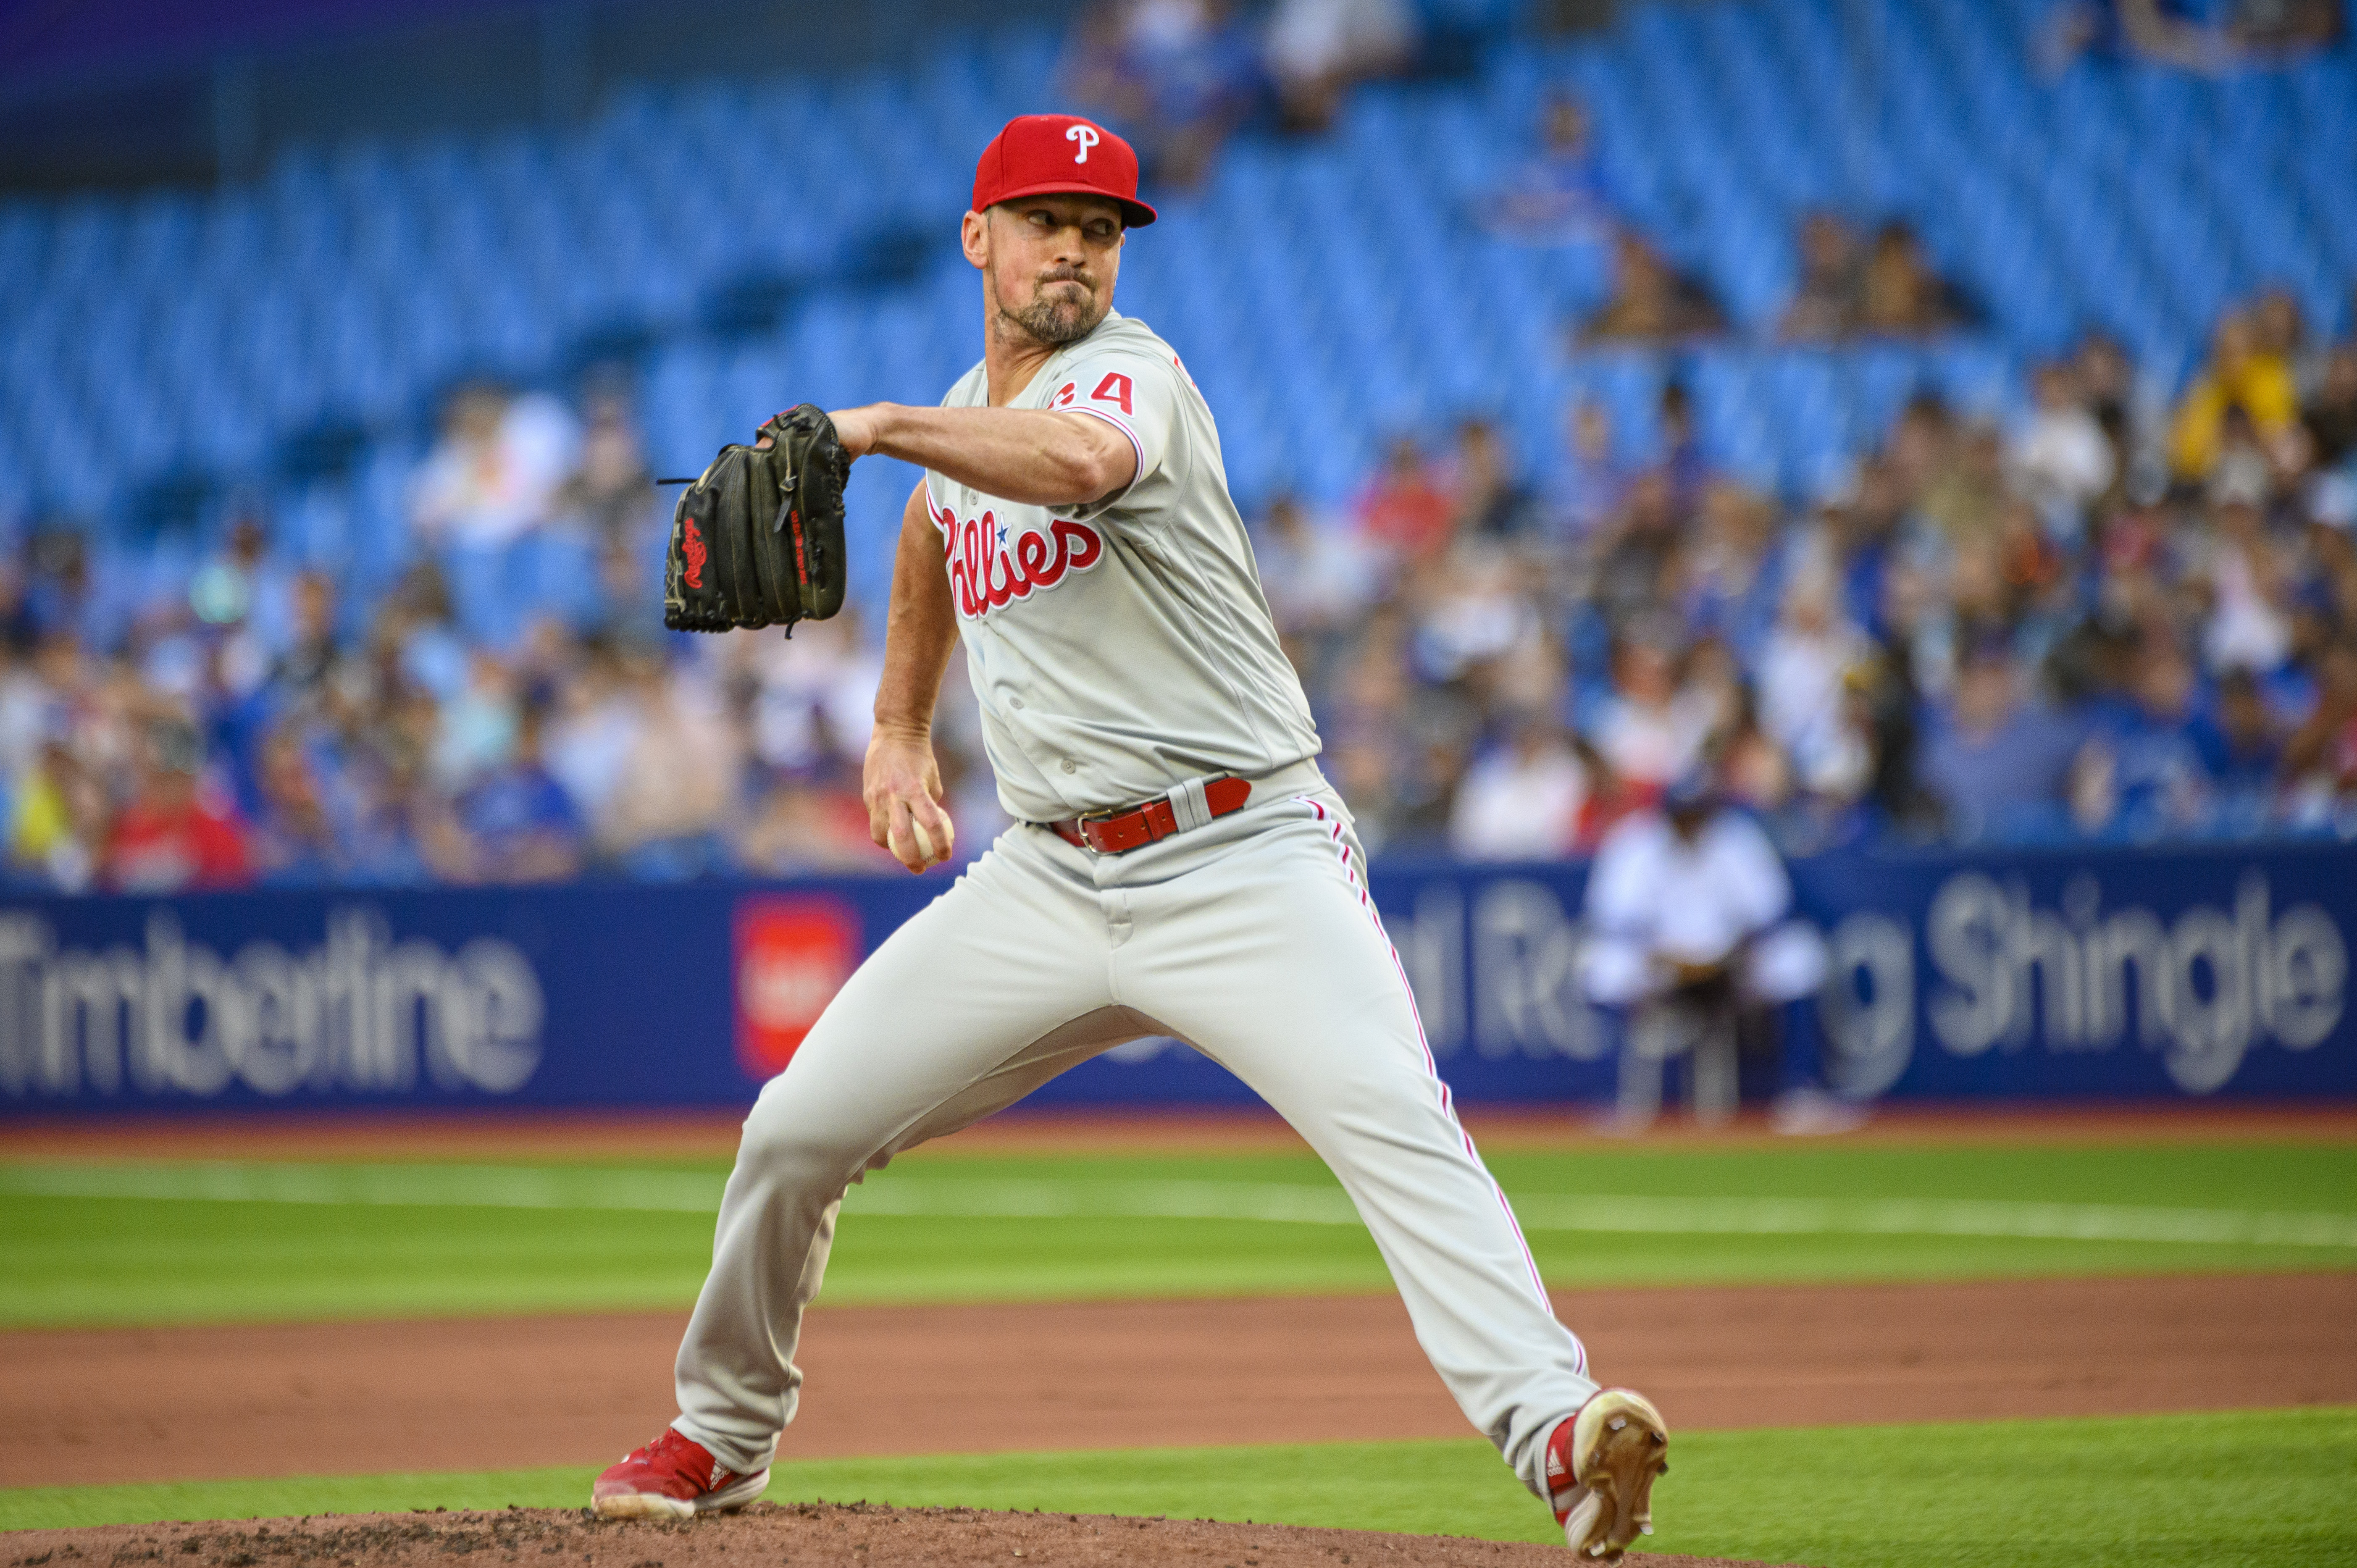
x=1600, y=1468
x=672, y=1477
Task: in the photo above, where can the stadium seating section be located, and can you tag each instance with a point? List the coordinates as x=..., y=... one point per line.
x=791, y=240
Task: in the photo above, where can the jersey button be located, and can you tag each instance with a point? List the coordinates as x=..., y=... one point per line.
x=1015, y=702
x=1070, y=766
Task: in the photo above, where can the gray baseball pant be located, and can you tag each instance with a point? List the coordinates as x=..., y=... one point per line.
x=1253, y=940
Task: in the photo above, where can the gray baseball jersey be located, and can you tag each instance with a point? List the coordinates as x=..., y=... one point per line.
x=1122, y=648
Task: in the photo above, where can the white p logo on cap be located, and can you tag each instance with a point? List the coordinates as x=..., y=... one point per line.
x=1086, y=135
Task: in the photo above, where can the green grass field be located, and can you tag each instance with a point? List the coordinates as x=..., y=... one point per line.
x=91, y=1243
x=88, y=1244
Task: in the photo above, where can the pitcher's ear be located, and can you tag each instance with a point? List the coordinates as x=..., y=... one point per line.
x=974, y=238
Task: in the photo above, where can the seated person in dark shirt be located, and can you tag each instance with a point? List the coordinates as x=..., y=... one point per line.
x=1825, y=301
x=1900, y=295
x=1653, y=302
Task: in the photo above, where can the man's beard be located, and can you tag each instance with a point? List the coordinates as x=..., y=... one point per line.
x=1057, y=320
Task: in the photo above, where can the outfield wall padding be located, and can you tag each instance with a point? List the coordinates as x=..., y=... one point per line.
x=2078, y=975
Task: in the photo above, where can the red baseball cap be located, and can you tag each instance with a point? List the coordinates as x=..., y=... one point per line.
x=1059, y=154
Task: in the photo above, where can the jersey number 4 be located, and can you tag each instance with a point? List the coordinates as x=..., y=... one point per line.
x=1113, y=389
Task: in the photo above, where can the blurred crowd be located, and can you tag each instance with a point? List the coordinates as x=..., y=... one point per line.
x=2119, y=617
x=2127, y=613
x=1179, y=75
x=259, y=724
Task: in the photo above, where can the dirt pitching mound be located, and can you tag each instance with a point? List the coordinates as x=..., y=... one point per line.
x=788, y=1536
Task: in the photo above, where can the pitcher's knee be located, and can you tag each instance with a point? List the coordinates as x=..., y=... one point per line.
x=786, y=1141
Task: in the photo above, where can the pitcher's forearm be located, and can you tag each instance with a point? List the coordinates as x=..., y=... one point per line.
x=920, y=630
x=1035, y=457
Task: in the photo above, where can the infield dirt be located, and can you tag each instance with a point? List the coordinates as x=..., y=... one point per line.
x=89, y=1406
x=810, y=1533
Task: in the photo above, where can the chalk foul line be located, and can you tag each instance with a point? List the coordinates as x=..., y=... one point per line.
x=698, y=1192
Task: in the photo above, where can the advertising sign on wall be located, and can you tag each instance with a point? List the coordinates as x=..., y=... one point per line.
x=2112, y=975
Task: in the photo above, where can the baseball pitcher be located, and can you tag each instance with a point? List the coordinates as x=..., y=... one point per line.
x=1177, y=865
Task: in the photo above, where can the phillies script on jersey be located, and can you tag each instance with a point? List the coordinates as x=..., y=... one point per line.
x=988, y=570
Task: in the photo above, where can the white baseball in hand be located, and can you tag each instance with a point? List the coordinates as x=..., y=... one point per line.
x=925, y=840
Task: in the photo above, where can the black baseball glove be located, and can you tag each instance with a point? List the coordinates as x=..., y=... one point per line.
x=758, y=540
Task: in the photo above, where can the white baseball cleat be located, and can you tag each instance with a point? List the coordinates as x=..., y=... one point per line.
x=1600, y=1467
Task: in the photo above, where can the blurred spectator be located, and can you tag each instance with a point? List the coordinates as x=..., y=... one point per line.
x=2244, y=470
x=1318, y=48
x=1682, y=462
x=1407, y=511
x=1318, y=579
x=2239, y=375
x=2320, y=757
x=814, y=694
x=1898, y=293
x=1490, y=497
x=1476, y=614
x=675, y=781
x=611, y=491
x=1884, y=713
x=475, y=727
x=2106, y=383
x=1804, y=673
x=1636, y=559
x=1733, y=571
x=1996, y=761
x=168, y=837
x=1560, y=196
x=293, y=843
x=1179, y=75
x=2249, y=625
x=2060, y=459
x=1652, y=302
x=1963, y=490
x=2154, y=775
x=495, y=474
x=1649, y=731
x=803, y=828
x=2278, y=328
x=1827, y=301
x=516, y=823
x=2329, y=420
x=2224, y=35
x=1593, y=482
x=20, y=629
x=1522, y=800
x=57, y=815
x=2242, y=746
x=57, y=583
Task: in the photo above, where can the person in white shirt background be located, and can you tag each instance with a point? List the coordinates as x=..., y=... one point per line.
x=1690, y=920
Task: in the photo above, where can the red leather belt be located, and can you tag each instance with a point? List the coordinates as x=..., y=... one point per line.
x=1135, y=827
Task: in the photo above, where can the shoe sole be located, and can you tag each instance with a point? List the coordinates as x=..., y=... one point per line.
x=655, y=1505
x=1618, y=1444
